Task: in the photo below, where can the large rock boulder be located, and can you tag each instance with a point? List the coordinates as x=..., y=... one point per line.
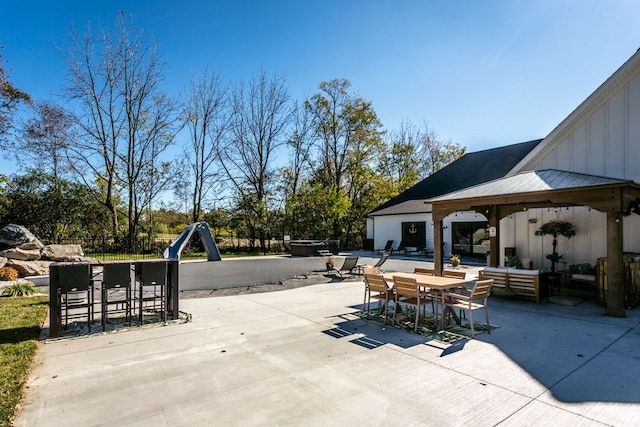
x=14, y=235
x=21, y=254
x=62, y=252
x=3, y=261
x=30, y=268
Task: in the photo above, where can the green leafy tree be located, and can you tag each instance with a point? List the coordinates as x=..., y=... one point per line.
x=53, y=209
x=400, y=160
x=170, y=221
x=315, y=207
x=348, y=140
x=220, y=221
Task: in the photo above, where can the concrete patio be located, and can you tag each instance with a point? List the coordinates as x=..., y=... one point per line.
x=300, y=357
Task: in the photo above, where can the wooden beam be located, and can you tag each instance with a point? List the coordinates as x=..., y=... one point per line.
x=603, y=198
x=494, y=241
x=438, y=240
x=615, y=277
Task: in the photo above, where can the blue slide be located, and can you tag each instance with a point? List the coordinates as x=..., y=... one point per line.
x=175, y=248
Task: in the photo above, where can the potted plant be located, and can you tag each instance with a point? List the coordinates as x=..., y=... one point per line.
x=455, y=260
x=556, y=228
x=328, y=260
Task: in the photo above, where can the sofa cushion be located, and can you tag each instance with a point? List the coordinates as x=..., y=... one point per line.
x=523, y=271
x=584, y=277
x=495, y=269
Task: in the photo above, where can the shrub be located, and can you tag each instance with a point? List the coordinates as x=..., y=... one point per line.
x=21, y=289
x=8, y=274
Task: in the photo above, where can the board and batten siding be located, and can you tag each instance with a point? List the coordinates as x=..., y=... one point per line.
x=518, y=230
x=601, y=137
x=604, y=139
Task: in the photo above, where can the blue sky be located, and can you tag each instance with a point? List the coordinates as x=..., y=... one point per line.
x=480, y=73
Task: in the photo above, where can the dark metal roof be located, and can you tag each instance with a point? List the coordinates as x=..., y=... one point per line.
x=530, y=182
x=407, y=207
x=471, y=169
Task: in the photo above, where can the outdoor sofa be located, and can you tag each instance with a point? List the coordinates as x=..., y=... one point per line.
x=513, y=281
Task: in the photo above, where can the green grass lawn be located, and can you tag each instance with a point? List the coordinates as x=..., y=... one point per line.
x=21, y=321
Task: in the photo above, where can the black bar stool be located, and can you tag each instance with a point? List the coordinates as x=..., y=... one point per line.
x=74, y=292
x=152, y=291
x=116, y=291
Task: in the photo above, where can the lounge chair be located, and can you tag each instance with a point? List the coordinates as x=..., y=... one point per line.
x=349, y=264
x=382, y=259
x=386, y=248
x=400, y=249
x=426, y=252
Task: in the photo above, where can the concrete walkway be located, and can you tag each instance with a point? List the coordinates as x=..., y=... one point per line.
x=300, y=357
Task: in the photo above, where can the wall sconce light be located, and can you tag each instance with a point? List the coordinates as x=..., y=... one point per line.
x=533, y=220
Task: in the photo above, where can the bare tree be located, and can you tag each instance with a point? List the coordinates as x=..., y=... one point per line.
x=125, y=121
x=300, y=145
x=434, y=153
x=45, y=139
x=10, y=97
x=400, y=160
x=206, y=117
x=98, y=118
x=260, y=114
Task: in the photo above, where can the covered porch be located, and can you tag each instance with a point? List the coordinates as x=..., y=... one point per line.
x=547, y=188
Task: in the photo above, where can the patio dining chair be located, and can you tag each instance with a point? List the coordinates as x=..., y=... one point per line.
x=427, y=292
x=454, y=274
x=376, y=287
x=371, y=270
x=407, y=292
x=475, y=299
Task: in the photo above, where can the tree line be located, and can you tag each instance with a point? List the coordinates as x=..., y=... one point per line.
x=253, y=162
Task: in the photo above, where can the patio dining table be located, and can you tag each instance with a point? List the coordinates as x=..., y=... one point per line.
x=435, y=283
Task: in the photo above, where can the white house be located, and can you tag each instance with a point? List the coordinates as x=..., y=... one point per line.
x=407, y=219
x=585, y=171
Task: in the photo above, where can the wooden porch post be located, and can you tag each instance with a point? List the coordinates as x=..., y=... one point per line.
x=494, y=241
x=438, y=239
x=615, y=277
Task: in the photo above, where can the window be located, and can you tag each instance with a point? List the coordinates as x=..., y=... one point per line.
x=470, y=238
